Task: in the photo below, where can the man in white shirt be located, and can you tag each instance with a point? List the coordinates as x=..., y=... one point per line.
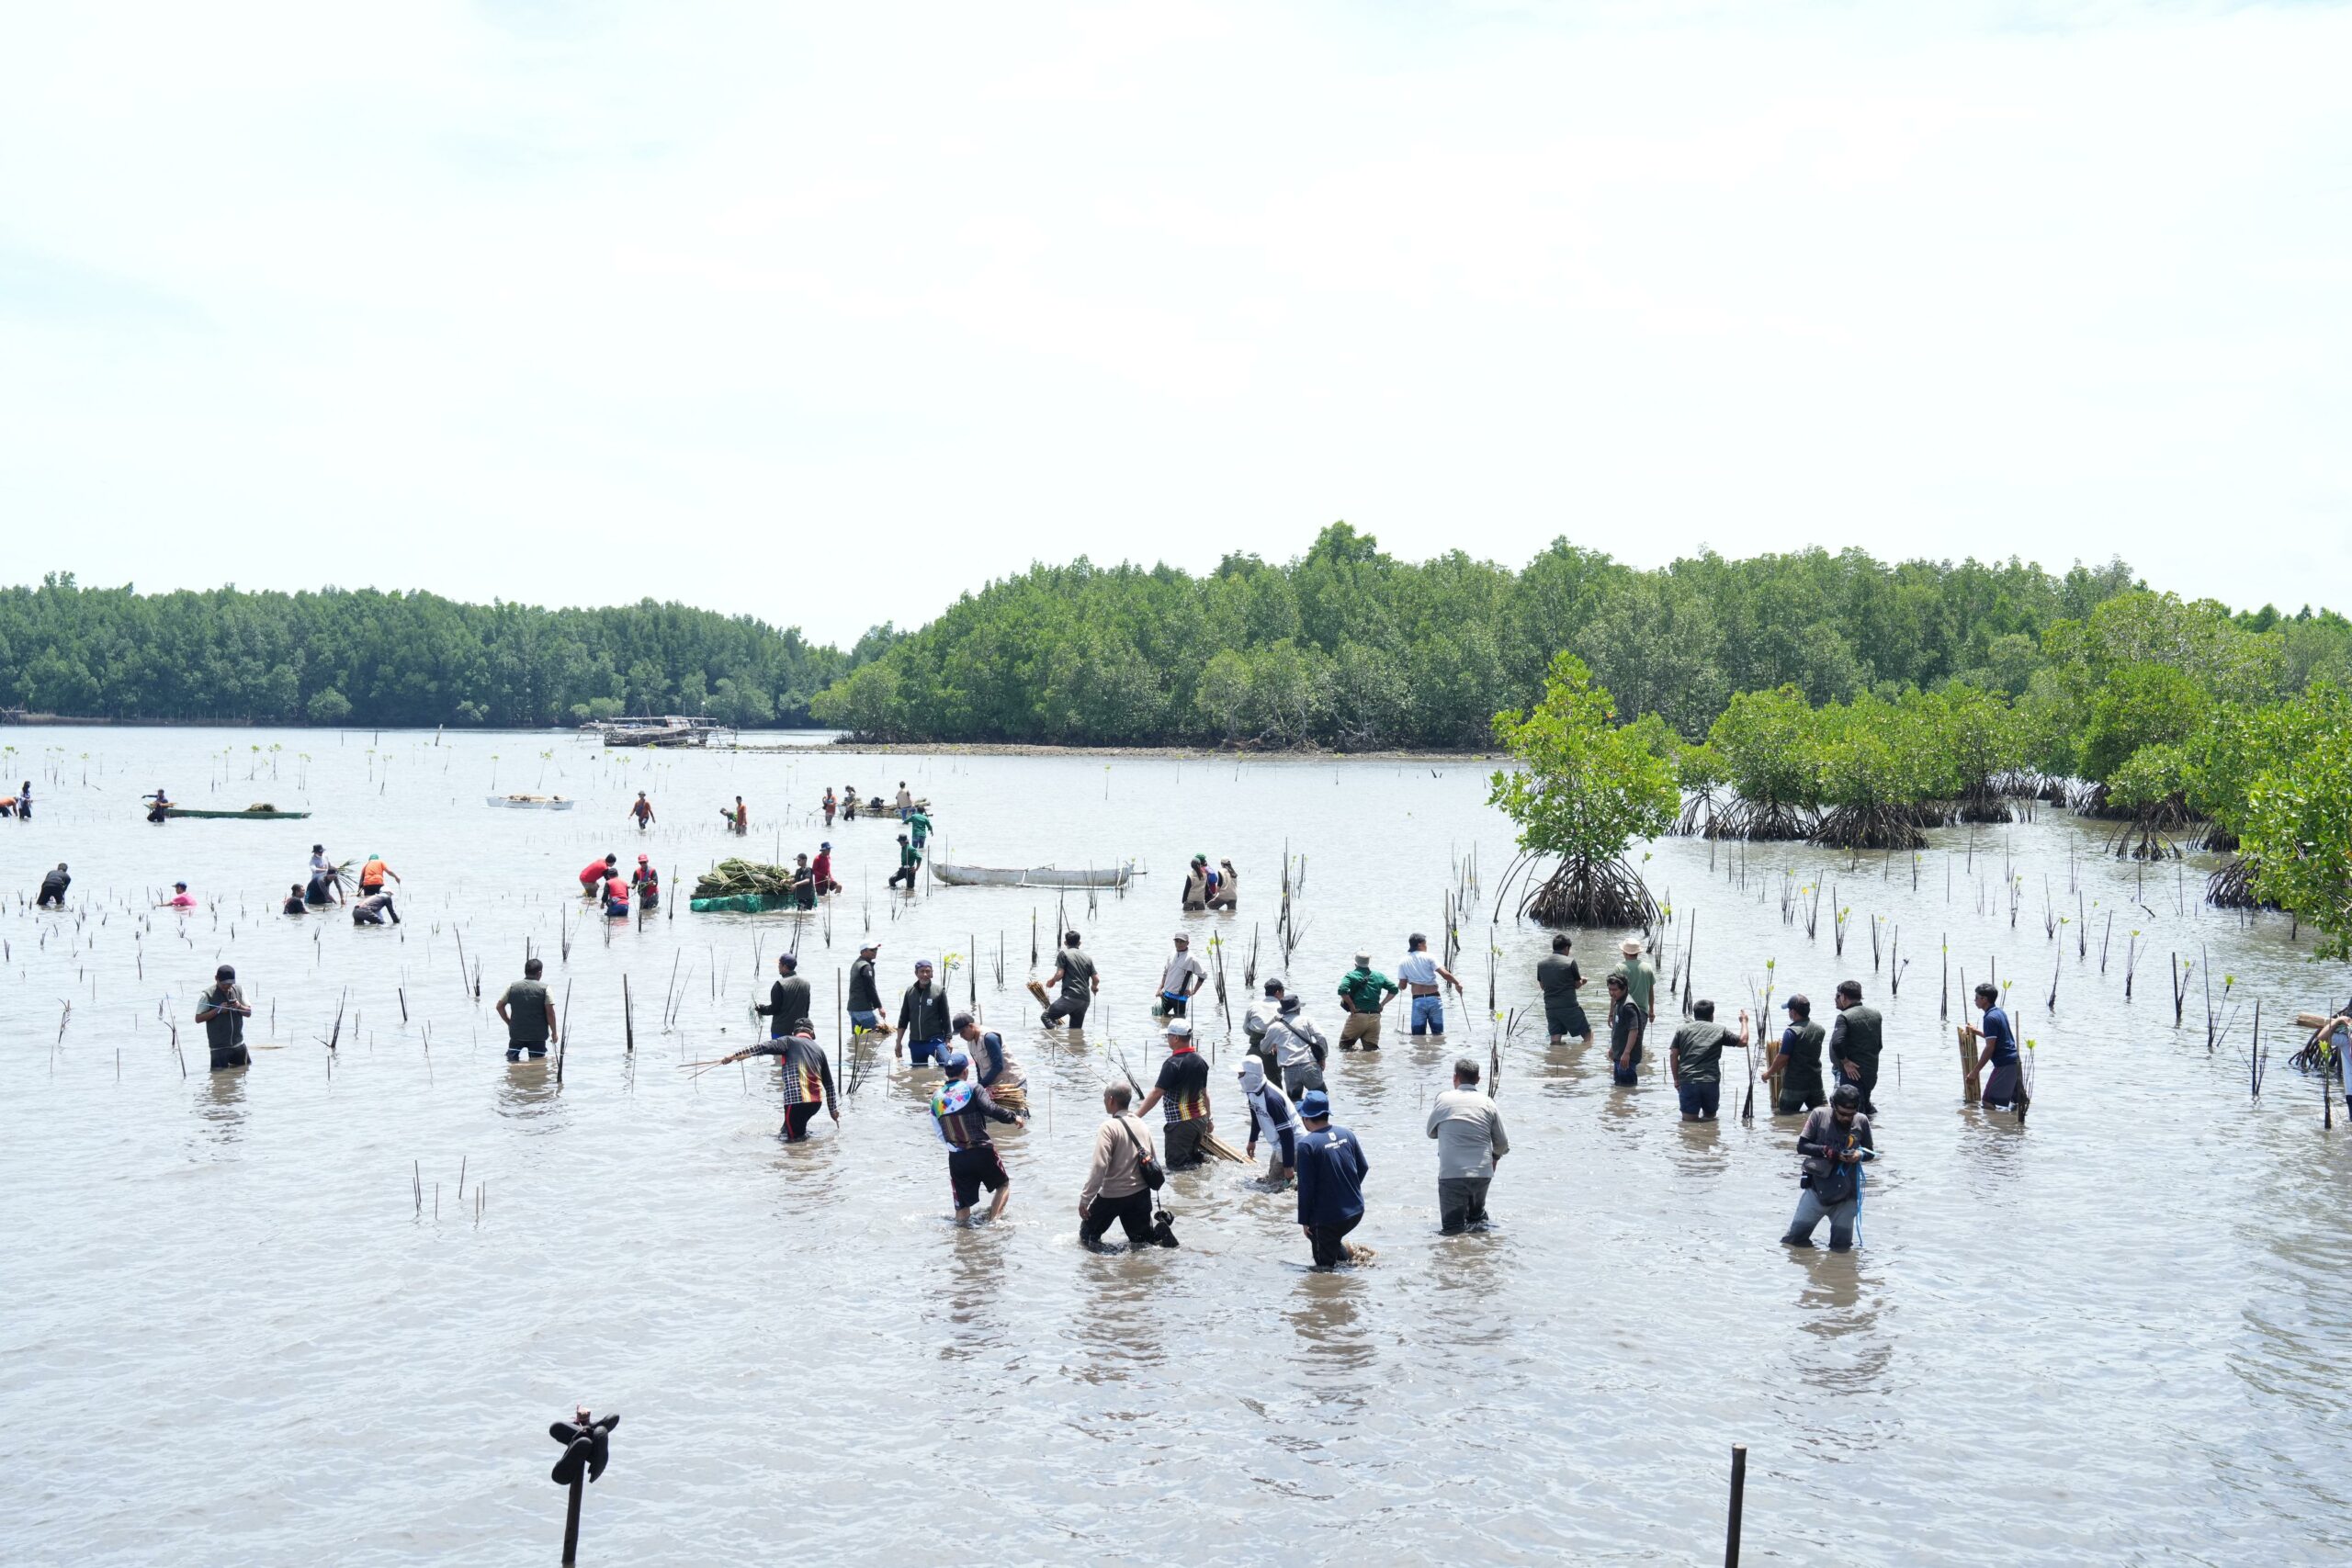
x=1420, y=974
x=1182, y=976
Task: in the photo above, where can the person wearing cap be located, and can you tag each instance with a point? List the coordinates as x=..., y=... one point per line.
x=1855, y=1041
x=181, y=898
x=1363, y=995
x=1299, y=1048
x=909, y=860
x=1184, y=1086
x=1641, y=980
x=1557, y=976
x=924, y=1019
x=1627, y=1023
x=821, y=868
x=646, y=883
x=786, y=1008
x=1836, y=1142
x=2006, y=1088
x=1116, y=1191
x=1182, y=978
x=993, y=1068
x=1797, y=1066
x=643, y=812
x=295, y=904
x=1331, y=1168
x=1470, y=1139
x=374, y=909
x=593, y=875
x=802, y=887
x=1260, y=1017
x=864, y=992
x=528, y=1012
x=1420, y=974
x=1695, y=1061
x=54, y=885
x=1272, y=1115
x=808, y=1078
x=223, y=1012
x=961, y=1111
x=1074, y=982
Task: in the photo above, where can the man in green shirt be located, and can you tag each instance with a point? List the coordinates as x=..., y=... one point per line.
x=1641, y=980
x=909, y=858
x=1363, y=993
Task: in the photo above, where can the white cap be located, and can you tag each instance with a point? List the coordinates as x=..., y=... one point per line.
x=1180, y=1028
x=1184, y=936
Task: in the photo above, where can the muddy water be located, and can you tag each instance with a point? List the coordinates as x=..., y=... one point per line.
x=232, y=1334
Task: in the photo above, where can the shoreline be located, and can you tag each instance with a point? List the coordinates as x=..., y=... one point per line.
x=1165, y=753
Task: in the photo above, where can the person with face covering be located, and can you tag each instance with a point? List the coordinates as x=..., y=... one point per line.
x=1273, y=1116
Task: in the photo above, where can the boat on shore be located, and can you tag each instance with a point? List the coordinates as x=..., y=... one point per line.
x=532, y=802
x=1032, y=877
x=671, y=729
x=250, y=814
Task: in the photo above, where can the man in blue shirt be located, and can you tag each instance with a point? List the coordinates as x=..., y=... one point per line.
x=2005, y=1087
x=1332, y=1169
x=1420, y=974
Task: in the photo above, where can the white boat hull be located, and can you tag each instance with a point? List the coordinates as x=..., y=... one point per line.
x=1031, y=876
x=526, y=803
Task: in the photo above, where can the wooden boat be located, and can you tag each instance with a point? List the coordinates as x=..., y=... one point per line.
x=672, y=729
x=1031, y=876
x=250, y=814
x=532, y=802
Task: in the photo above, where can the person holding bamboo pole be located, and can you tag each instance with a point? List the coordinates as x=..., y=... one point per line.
x=1271, y=1115
x=808, y=1078
x=993, y=1068
x=1797, y=1066
x=529, y=1013
x=2006, y=1088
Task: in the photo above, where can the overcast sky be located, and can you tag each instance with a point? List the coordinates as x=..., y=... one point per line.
x=827, y=313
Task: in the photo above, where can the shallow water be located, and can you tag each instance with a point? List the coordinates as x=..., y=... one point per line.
x=231, y=1336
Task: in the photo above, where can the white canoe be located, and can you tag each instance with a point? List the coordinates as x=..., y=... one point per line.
x=532, y=802
x=1031, y=876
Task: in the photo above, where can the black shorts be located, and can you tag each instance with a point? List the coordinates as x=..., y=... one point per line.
x=1330, y=1242
x=226, y=1056
x=796, y=1119
x=1563, y=1016
x=969, y=1171
x=1132, y=1212
x=1070, y=1010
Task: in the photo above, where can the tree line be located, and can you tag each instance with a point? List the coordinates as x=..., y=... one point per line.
x=361, y=657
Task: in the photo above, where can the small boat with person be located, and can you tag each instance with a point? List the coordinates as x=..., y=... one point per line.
x=532, y=802
x=262, y=812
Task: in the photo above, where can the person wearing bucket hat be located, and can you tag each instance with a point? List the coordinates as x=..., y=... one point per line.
x=864, y=992
x=923, y=1018
x=1331, y=1168
x=1183, y=1086
x=1183, y=976
x=1641, y=980
x=1797, y=1065
x=223, y=1012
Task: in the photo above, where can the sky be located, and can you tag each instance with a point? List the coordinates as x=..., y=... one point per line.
x=829, y=313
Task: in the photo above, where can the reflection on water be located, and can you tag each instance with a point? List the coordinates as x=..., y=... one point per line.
x=2161, y=1260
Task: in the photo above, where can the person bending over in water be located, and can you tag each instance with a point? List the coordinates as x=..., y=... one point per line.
x=374, y=911
x=2006, y=1088
x=53, y=888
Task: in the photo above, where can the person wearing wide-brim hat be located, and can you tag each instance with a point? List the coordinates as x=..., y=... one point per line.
x=1641, y=980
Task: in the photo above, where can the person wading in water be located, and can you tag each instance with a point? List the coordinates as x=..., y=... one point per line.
x=223, y=1012
x=1797, y=1064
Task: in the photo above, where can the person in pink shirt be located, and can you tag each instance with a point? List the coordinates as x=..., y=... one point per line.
x=181, y=898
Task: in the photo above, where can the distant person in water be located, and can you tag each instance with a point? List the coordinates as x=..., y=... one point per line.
x=821, y=868
x=325, y=886
x=646, y=883
x=1627, y=1024
x=374, y=911
x=1116, y=1191
x=1855, y=1041
x=923, y=1016
x=181, y=898
x=25, y=801
x=372, y=873
x=159, y=804
x=223, y=1012
x=849, y=802
x=529, y=1013
x=831, y=806
x=786, y=1008
x=53, y=888
x=295, y=903
x=906, y=801
x=643, y=811
x=615, y=897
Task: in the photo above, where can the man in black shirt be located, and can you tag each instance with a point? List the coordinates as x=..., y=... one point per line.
x=223, y=1012
x=1559, y=979
x=52, y=888
x=786, y=1008
x=865, y=995
x=1797, y=1064
x=922, y=1017
x=1855, y=1041
x=529, y=1013
x=1077, y=982
x=1184, y=1085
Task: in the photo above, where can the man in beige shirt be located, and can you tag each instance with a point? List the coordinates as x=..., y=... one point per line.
x=1116, y=1191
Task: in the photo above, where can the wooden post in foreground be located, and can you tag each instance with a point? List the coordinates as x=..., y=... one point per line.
x=1731, y=1533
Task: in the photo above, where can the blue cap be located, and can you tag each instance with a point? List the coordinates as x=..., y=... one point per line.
x=954, y=1062
x=1315, y=1103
